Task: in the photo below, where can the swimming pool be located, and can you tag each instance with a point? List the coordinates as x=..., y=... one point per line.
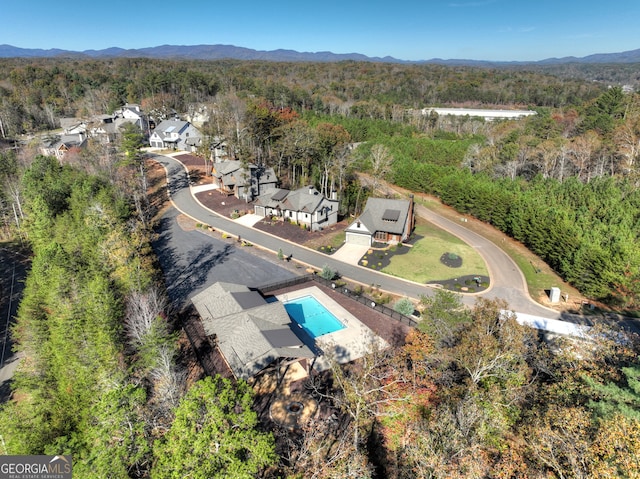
x=312, y=316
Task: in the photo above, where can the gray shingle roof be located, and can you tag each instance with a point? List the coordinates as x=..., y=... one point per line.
x=382, y=214
x=250, y=332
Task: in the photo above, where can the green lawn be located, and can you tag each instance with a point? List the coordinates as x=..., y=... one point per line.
x=422, y=262
x=538, y=275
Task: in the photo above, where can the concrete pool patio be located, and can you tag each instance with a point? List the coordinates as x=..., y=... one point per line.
x=345, y=345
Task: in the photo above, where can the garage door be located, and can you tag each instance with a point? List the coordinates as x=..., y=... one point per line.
x=358, y=239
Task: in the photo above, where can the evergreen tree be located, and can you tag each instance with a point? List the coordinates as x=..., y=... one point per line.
x=214, y=435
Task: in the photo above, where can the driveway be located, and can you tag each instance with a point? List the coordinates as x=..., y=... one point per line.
x=350, y=253
x=509, y=283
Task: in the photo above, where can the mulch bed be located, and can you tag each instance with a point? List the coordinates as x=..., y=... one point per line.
x=451, y=260
x=465, y=284
x=223, y=204
x=294, y=233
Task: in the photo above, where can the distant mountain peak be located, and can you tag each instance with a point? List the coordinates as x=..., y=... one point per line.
x=219, y=52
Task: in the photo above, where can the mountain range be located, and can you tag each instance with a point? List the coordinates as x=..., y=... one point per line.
x=219, y=52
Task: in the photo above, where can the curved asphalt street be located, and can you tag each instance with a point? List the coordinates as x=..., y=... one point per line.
x=506, y=279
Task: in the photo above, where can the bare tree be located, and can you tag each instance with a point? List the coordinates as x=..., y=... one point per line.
x=168, y=379
x=583, y=149
x=381, y=161
x=143, y=318
x=363, y=388
x=323, y=449
x=627, y=139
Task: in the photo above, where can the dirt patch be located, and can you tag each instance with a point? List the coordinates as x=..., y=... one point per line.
x=293, y=411
x=157, y=191
x=186, y=223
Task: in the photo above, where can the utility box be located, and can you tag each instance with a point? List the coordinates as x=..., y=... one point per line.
x=554, y=295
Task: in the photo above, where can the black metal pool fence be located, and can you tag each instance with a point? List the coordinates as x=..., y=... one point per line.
x=344, y=290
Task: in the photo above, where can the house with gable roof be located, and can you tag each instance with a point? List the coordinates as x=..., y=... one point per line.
x=383, y=220
x=59, y=146
x=175, y=135
x=132, y=113
x=304, y=206
x=250, y=332
x=232, y=178
x=107, y=128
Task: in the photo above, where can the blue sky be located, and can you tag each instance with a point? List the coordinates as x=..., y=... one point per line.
x=408, y=30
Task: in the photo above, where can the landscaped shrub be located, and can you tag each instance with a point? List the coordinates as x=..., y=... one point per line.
x=328, y=273
x=404, y=306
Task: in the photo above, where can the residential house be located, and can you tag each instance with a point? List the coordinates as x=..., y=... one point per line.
x=250, y=332
x=59, y=146
x=305, y=206
x=247, y=183
x=73, y=126
x=132, y=113
x=383, y=220
x=106, y=128
x=175, y=135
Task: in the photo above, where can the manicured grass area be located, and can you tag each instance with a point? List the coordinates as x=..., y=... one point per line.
x=337, y=239
x=421, y=262
x=538, y=275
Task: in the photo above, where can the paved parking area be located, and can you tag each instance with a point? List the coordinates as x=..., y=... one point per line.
x=192, y=260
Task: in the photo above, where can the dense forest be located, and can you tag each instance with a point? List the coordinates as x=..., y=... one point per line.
x=467, y=395
x=34, y=93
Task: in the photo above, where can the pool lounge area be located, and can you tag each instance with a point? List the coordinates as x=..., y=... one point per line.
x=347, y=340
x=311, y=315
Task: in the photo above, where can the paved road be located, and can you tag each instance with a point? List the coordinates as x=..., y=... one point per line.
x=509, y=283
x=14, y=265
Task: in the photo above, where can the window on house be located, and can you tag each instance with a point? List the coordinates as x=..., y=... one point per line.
x=381, y=235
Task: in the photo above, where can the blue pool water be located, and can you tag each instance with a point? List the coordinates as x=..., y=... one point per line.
x=312, y=316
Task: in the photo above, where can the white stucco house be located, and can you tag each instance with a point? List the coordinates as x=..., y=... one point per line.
x=304, y=206
x=175, y=135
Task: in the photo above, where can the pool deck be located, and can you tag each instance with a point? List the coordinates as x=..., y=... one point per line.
x=345, y=345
